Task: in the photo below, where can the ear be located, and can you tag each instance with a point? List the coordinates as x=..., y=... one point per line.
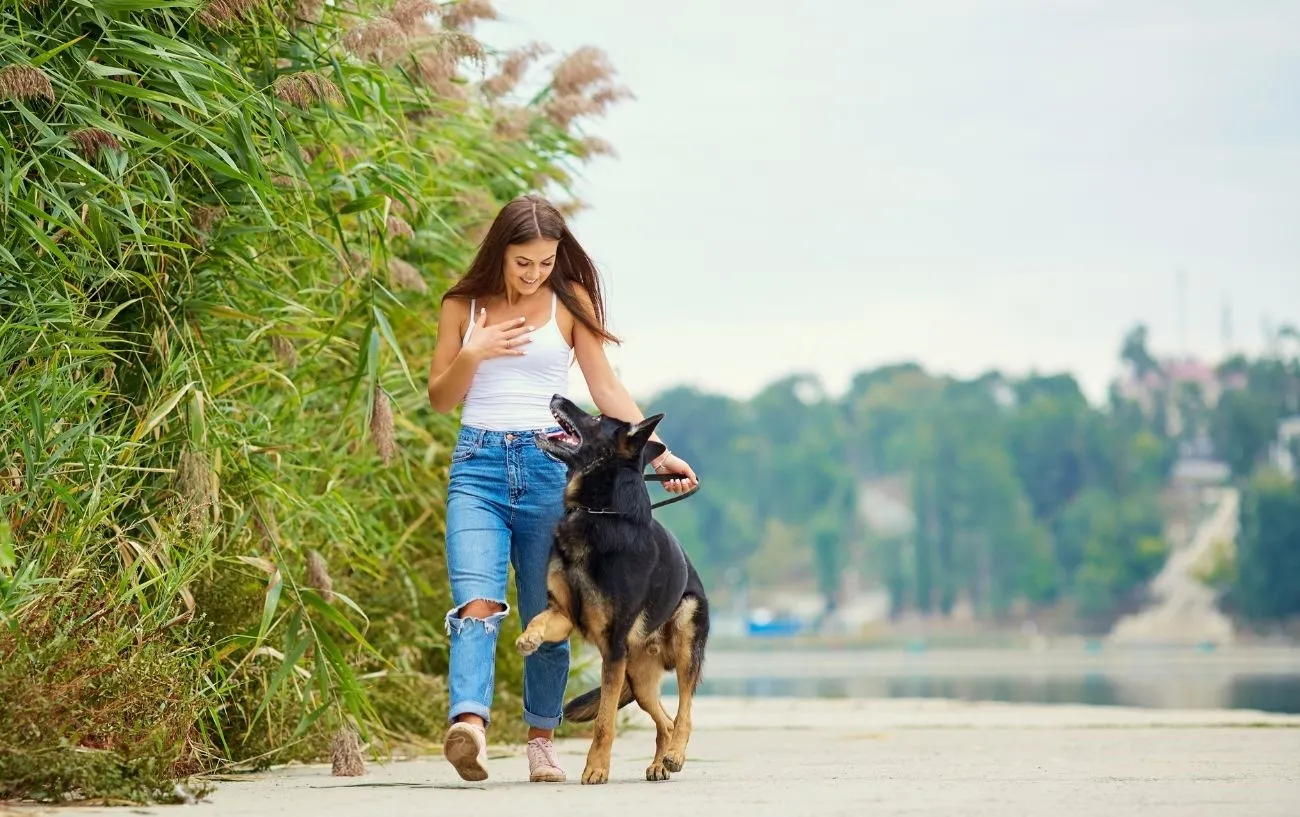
x=652, y=451
x=638, y=434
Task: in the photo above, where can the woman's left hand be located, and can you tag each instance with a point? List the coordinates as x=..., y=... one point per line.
x=673, y=464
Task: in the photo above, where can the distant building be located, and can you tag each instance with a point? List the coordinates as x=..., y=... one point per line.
x=1167, y=377
x=886, y=506
x=1198, y=471
x=1174, y=384
x=1282, y=453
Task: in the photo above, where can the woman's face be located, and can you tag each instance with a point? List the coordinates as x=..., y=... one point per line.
x=527, y=266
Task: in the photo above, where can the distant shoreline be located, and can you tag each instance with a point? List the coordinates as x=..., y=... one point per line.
x=1159, y=677
x=1010, y=642
x=1006, y=658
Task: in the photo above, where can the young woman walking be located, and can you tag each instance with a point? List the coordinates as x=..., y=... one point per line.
x=530, y=303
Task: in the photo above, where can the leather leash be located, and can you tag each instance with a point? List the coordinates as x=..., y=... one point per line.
x=666, y=478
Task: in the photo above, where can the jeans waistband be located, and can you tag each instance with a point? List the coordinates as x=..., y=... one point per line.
x=482, y=437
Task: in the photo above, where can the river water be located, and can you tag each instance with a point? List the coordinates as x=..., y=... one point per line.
x=1266, y=679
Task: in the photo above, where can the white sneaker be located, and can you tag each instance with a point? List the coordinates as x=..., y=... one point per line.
x=465, y=747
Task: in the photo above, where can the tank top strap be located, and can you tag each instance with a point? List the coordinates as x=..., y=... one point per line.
x=470, y=329
x=554, y=299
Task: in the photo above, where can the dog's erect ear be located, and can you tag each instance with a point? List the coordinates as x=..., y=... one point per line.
x=640, y=432
x=652, y=451
x=637, y=435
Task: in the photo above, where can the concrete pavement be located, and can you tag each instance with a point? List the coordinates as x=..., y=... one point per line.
x=845, y=757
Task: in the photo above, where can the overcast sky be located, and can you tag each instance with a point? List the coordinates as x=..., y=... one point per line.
x=971, y=184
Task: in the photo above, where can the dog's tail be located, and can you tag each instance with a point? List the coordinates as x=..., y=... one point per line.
x=584, y=707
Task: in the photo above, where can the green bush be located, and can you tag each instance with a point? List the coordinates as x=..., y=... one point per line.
x=1266, y=580
x=226, y=225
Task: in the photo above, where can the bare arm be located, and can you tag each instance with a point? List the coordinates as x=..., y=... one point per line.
x=450, y=372
x=453, y=365
x=613, y=398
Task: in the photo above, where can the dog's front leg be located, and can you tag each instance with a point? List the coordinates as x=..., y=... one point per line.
x=548, y=626
x=612, y=675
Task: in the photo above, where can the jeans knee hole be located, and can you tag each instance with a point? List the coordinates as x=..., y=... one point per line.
x=456, y=618
x=494, y=608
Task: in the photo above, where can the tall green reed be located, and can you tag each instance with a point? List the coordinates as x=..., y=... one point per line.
x=226, y=225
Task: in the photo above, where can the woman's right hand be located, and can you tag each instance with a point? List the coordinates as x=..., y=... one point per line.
x=499, y=339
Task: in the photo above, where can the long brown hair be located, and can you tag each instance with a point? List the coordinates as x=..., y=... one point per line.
x=525, y=219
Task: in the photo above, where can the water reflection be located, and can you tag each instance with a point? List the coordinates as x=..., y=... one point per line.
x=1159, y=684
x=1266, y=693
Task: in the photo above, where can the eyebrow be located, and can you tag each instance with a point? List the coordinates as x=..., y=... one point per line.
x=526, y=258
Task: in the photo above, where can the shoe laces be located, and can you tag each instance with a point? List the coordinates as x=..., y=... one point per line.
x=543, y=750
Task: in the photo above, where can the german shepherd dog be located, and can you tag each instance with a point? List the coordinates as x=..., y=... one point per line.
x=624, y=583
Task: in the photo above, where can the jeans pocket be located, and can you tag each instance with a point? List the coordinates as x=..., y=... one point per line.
x=463, y=451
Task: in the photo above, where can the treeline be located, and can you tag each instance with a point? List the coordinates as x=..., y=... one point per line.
x=997, y=493
x=1259, y=579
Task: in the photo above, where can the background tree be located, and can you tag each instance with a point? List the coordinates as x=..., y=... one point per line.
x=1019, y=490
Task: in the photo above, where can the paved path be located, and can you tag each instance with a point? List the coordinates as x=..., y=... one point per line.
x=1185, y=610
x=789, y=756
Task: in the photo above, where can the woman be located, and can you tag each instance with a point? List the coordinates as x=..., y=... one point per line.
x=508, y=331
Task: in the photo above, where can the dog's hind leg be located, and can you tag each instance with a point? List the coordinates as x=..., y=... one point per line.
x=690, y=632
x=612, y=679
x=643, y=674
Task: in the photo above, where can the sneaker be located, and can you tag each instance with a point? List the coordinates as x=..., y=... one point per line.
x=543, y=765
x=465, y=747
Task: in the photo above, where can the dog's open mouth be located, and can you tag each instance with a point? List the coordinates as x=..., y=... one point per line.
x=567, y=434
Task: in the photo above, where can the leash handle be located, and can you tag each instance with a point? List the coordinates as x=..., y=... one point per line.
x=665, y=478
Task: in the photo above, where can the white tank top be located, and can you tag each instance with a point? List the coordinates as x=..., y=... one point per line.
x=513, y=392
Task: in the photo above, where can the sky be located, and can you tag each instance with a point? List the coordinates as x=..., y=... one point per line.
x=968, y=184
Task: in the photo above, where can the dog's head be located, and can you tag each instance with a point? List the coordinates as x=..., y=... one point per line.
x=592, y=444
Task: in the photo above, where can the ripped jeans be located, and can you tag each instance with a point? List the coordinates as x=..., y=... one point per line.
x=504, y=498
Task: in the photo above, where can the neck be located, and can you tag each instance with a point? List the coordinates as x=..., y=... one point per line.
x=626, y=496
x=514, y=297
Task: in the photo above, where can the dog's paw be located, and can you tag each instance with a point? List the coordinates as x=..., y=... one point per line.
x=656, y=772
x=594, y=775
x=527, y=643
x=674, y=761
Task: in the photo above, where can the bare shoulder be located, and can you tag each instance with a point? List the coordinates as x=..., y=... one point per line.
x=453, y=305
x=454, y=314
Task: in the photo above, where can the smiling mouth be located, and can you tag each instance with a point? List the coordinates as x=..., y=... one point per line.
x=530, y=282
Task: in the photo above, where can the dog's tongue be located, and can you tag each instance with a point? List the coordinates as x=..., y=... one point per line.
x=564, y=437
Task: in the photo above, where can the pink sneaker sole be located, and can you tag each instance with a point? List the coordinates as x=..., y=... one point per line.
x=546, y=776
x=466, y=751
